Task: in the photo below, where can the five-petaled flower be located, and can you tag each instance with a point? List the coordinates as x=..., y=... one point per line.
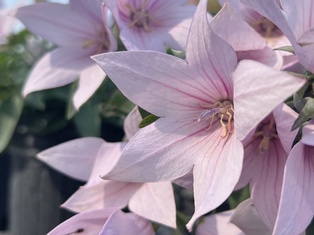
x=207, y=105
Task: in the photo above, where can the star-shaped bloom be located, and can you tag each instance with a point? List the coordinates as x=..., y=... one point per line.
x=247, y=43
x=207, y=104
x=296, y=207
x=294, y=19
x=267, y=29
x=152, y=24
x=79, y=29
x=265, y=155
x=88, y=158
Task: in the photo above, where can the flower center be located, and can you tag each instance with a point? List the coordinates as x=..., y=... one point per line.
x=268, y=132
x=223, y=111
x=139, y=17
x=101, y=44
x=267, y=28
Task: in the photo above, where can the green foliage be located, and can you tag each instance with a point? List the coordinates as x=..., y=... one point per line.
x=10, y=111
x=88, y=121
x=238, y=196
x=306, y=113
x=148, y=120
x=286, y=48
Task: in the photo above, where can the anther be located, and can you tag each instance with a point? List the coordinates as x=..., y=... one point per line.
x=139, y=17
x=221, y=110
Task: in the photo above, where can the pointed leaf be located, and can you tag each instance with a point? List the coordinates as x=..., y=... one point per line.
x=298, y=100
x=148, y=120
x=10, y=111
x=286, y=48
x=306, y=113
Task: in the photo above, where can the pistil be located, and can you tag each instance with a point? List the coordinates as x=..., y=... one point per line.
x=220, y=110
x=268, y=132
x=267, y=28
x=101, y=44
x=139, y=17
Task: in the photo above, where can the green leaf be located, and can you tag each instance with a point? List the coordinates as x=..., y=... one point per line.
x=120, y=103
x=238, y=196
x=88, y=121
x=143, y=112
x=10, y=111
x=286, y=48
x=306, y=113
x=148, y=120
x=298, y=100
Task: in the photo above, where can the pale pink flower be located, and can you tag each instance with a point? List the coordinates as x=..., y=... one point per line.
x=154, y=201
x=296, y=207
x=265, y=155
x=7, y=23
x=104, y=222
x=294, y=19
x=206, y=105
x=152, y=24
x=246, y=218
x=79, y=30
x=267, y=29
x=218, y=224
x=247, y=43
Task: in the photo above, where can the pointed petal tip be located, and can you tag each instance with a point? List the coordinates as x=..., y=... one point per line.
x=189, y=225
x=77, y=102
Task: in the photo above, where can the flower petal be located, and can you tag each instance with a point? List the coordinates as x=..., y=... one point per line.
x=308, y=133
x=247, y=219
x=265, y=56
x=161, y=84
x=101, y=194
x=216, y=175
x=232, y=28
x=90, y=79
x=107, y=157
x=155, y=201
x=284, y=117
x=251, y=105
x=57, y=68
x=88, y=223
x=74, y=158
x=272, y=11
x=68, y=29
x=214, y=60
x=296, y=207
x=120, y=223
x=162, y=151
x=131, y=123
x=218, y=224
x=169, y=25
x=267, y=180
